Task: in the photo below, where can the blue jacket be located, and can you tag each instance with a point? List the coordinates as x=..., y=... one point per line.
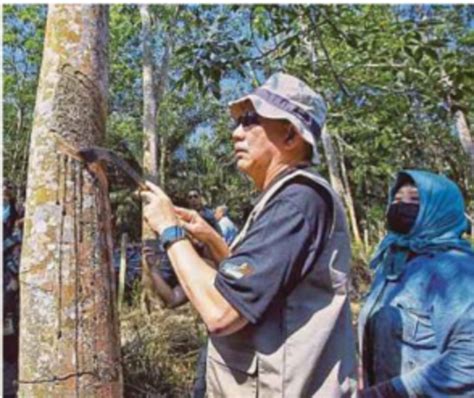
x=416, y=328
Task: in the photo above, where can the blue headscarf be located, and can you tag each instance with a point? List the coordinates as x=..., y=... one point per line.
x=439, y=225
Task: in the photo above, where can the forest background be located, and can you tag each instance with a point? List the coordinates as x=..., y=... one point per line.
x=398, y=81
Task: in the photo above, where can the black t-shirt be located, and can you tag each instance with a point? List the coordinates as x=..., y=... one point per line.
x=279, y=249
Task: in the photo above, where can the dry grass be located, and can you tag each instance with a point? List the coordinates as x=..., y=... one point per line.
x=159, y=351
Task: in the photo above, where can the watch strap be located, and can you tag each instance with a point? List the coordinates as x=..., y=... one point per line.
x=171, y=235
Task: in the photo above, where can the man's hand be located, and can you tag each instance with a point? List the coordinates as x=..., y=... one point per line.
x=194, y=224
x=159, y=211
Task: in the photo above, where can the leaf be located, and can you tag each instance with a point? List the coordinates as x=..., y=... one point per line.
x=430, y=52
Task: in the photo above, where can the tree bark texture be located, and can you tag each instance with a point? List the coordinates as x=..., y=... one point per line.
x=69, y=331
x=160, y=92
x=348, y=199
x=150, y=144
x=331, y=159
x=150, y=150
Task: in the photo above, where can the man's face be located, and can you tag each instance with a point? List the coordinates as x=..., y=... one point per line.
x=7, y=193
x=256, y=141
x=194, y=200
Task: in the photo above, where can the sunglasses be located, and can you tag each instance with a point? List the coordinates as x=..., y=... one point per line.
x=249, y=118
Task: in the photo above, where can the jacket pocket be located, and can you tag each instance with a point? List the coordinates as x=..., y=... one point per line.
x=416, y=324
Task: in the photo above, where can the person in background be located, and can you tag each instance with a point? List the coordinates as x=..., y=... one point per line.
x=12, y=232
x=195, y=202
x=228, y=228
x=416, y=328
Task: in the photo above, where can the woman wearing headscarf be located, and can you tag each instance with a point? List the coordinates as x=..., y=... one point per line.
x=416, y=328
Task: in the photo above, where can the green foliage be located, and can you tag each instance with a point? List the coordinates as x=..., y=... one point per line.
x=392, y=76
x=23, y=31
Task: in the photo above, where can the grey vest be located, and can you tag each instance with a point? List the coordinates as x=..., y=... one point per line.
x=304, y=345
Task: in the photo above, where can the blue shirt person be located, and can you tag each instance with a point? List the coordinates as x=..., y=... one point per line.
x=228, y=228
x=416, y=328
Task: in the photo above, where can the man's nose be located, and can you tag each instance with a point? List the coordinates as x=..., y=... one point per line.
x=238, y=133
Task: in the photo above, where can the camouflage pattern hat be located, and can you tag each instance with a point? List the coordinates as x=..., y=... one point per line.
x=284, y=96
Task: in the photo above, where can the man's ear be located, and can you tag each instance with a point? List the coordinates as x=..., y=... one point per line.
x=290, y=137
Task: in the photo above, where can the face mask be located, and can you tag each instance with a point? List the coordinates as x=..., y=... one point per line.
x=402, y=216
x=6, y=212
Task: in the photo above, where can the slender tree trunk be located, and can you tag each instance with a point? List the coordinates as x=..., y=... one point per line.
x=69, y=336
x=332, y=163
x=468, y=146
x=150, y=149
x=162, y=168
x=150, y=144
x=16, y=161
x=460, y=121
x=163, y=78
x=329, y=151
x=465, y=138
x=348, y=199
x=464, y=134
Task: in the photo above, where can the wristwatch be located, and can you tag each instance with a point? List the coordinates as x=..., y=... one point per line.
x=172, y=234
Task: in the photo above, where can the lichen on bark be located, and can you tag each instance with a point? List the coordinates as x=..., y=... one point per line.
x=69, y=336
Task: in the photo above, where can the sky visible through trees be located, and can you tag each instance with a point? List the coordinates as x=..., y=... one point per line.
x=396, y=79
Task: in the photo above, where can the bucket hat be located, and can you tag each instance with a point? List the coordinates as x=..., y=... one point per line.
x=286, y=97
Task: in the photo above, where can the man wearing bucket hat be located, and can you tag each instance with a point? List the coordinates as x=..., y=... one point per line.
x=277, y=305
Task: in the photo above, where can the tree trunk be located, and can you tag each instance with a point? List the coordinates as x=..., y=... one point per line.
x=465, y=138
x=162, y=168
x=69, y=331
x=329, y=152
x=160, y=92
x=331, y=159
x=150, y=149
x=348, y=199
x=150, y=145
x=460, y=121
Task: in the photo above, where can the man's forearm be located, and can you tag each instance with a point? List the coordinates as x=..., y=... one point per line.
x=217, y=246
x=197, y=280
x=172, y=297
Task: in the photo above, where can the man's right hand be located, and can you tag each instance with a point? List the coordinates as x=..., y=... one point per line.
x=194, y=224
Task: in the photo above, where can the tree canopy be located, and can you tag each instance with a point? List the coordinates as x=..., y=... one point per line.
x=394, y=78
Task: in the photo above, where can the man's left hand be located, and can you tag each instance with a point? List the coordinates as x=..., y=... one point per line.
x=158, y=210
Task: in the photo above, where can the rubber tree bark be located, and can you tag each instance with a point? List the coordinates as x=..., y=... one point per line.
x=69, y=331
